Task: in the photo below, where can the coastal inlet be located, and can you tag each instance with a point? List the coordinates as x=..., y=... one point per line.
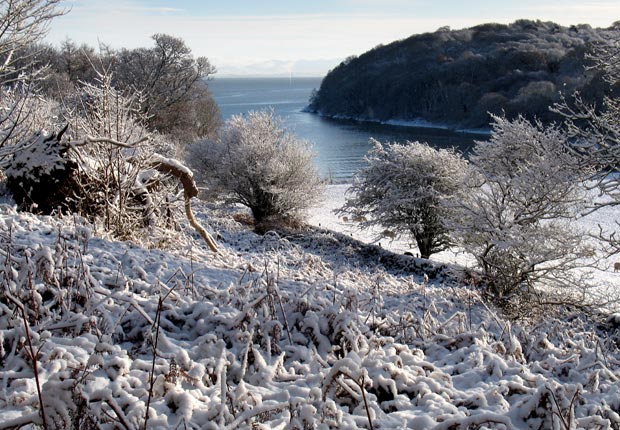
x=340, y=144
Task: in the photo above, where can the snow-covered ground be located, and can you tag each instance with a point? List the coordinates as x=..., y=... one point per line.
x=310, y=330
x=334, y=198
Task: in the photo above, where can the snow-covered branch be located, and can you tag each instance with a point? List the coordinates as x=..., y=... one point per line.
x=89, y=139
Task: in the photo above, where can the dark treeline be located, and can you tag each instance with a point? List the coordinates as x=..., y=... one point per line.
x=170, y=81
x=460, y=77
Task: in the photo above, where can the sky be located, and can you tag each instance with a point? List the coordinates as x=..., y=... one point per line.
x=298, y=37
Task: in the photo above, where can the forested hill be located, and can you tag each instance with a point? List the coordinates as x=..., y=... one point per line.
x=457, y=77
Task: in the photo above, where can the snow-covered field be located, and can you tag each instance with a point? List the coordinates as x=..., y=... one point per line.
x=313, y=330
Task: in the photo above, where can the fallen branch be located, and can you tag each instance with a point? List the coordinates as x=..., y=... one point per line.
x=89, y=139
x=172, y=167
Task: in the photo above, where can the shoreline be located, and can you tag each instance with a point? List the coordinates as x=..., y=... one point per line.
x=410, y=123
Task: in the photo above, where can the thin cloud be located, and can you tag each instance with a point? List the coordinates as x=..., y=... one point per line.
x=154, y=9
x=581, y=7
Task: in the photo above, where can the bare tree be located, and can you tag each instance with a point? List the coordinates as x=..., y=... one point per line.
x=405, y=188
x=22, y=24
x=167, y=75
x=517, y=221
x=594, y=136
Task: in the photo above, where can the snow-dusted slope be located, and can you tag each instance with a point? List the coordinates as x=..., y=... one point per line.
x=308, y=331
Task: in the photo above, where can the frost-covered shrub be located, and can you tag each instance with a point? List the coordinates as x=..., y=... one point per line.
x=517, y=222
x=115, y=156
x=406, y=188
x=22, y=24
x=23, y=114
x=259, y=165
x=594, y=133
x=103, y=165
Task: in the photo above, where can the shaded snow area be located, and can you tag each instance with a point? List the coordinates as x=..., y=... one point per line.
x=312, y=330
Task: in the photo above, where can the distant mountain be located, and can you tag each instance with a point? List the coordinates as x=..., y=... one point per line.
x=279, y=68
x=458, y=77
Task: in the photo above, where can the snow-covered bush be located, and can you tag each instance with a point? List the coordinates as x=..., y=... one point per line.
x=259, y=165
x=406, y=188
x=41, y=174
x=517, y=221
x=104, y=165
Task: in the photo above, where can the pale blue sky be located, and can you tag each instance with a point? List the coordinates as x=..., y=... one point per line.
x=302, y=37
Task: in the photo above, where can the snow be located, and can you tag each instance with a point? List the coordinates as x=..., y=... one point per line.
x=414, y=123
x=322, y=329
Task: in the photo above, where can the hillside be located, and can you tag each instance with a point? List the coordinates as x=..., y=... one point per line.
x=456, y=77
x=299, y=331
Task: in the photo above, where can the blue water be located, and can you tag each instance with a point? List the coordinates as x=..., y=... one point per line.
x=340, y=145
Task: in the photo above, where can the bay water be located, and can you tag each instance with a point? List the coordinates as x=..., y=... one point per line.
x=340, y=145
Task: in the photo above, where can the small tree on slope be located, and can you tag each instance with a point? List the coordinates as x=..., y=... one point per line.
x=260, y=165
x=517, y=221
x=406, y=188
x=594, y=136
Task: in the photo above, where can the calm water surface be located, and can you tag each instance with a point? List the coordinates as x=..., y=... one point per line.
x=340, y=145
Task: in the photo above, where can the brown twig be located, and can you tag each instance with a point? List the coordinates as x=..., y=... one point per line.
x=160, y=306
x=33, y=357
x=119, y=413
x=286, y=326
x=567, y=420
x=361, y=385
